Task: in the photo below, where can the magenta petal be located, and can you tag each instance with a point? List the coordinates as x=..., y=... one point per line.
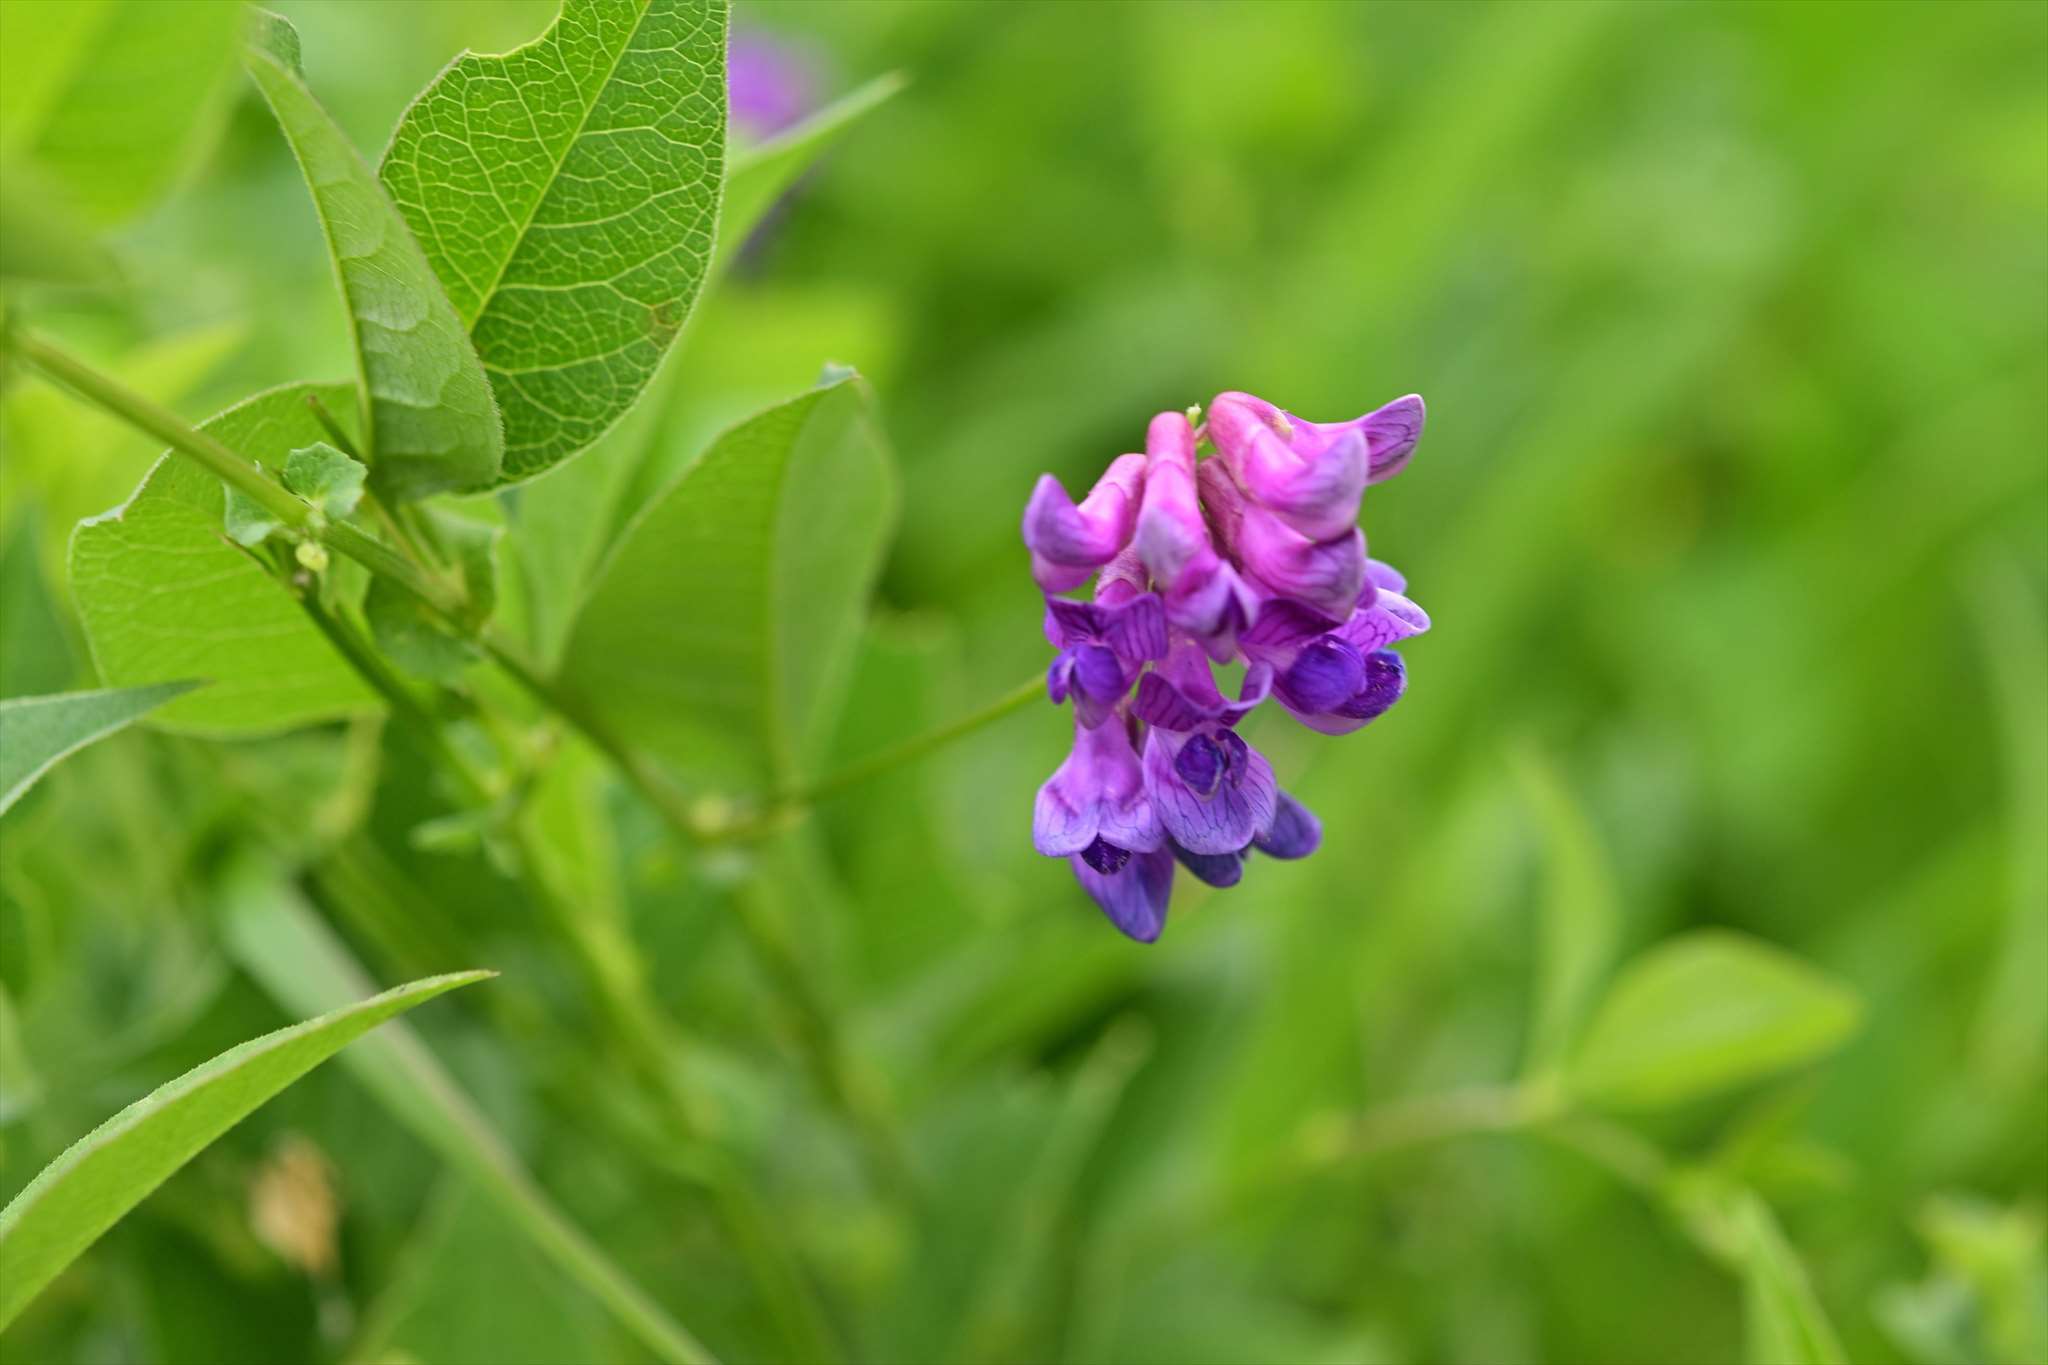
x=1069, y=542
x=1391, y=434
x=1385, y=576
x=1223, y=823
x=1135, y=896
x=1391, y=617
x=1326, y=574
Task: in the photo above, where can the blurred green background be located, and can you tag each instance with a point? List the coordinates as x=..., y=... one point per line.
x=1732, y=517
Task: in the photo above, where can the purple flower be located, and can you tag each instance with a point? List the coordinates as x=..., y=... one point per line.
x=1070, y=542
x=1204, y=595
x=1095, y=806
x=1213, y=791
x=1253, y=556
x=1335, y=675
x=769, y=85
x=1102, y=646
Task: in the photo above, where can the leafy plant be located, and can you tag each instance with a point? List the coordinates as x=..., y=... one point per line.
x=635, y=614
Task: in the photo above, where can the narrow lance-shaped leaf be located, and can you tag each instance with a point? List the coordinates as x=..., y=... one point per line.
x=1703, y=1012
x=719, y=633
x=566, y=193
x=427, y=414
x=36, y=732
x=280, y=941
x=112, y=1169
x=163, y=595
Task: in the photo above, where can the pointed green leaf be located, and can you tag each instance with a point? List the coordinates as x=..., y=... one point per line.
x=325, y=477
x=761, y=173
x=566, y=194
x=109, y=99
x=719, y=633
x=1704, y=1012
x=112, y=1169
x=35, y=732
x=1782, y=1317
x=430, y=421
x=281, y=943
x=164, y=595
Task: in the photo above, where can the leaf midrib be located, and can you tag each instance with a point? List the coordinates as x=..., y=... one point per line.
x=490, y=291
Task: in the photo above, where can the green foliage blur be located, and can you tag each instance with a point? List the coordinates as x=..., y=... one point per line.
x=1732, y=519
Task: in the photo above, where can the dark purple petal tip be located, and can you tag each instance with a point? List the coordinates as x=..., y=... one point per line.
x=1323, y=676
x=1200, y=763
x=1217, y=869
x=1105, y=857
x=1135, y=896
x=1294, y=833
x=1386, y=677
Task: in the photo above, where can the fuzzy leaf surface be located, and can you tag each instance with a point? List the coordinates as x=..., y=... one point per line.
x=426, y=407
x=566, y=193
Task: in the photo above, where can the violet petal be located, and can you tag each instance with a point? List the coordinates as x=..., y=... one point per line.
x=1217, y=869
x=1294, y=833
x=1221, y=824
x=1134, y=897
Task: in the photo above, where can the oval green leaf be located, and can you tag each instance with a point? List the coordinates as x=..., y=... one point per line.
x=427, y=414
x=566, y=193
x=1704, y=1012
x=164, y=595
x=720, y=633
x=98, y=1179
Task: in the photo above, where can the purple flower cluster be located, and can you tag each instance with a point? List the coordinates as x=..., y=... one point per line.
x=1251, y=554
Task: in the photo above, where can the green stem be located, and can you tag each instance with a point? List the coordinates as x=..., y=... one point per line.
x=448, y=601
x=914, y=748
x=634, y=1022
x=166, y=426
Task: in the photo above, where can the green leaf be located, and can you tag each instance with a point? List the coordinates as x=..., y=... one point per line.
x=566, y=194
x=429, y=419
x=759, y=175
x=1578, y=915
x=411, y=636
x=719, y=633
x=248, y=522
x=36, y=732
x=325, y=477
x=281, y=942
x=1703, y=1012
x=84, y=1192
x=164, y=595
x=415, y=638
x=110, y=99
x=1782, y=1318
